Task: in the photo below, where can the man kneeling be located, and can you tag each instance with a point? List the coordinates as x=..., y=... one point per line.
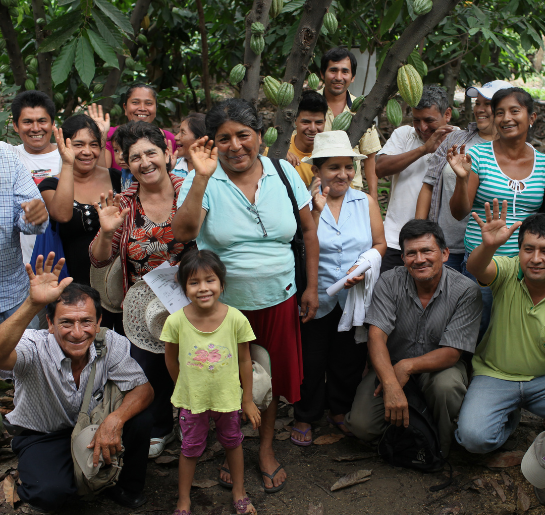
x=423, y=316
x=51, y=372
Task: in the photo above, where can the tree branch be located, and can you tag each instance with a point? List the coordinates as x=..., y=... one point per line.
x=44, y=58
x=204, y=41
x=12, y=46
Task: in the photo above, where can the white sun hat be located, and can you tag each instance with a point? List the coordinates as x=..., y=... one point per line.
x=108, y=281
x=332, y=144
x=533, y=463
x=488, y=89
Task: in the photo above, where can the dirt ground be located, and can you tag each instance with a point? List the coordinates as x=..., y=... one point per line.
x=313, y=470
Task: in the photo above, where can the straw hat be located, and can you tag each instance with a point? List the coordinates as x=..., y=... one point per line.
x=108, y=281
x=144, y=316
x=332, y=144
x=262, y=383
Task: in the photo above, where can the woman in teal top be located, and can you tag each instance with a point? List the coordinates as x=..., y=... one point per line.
x=235, y=204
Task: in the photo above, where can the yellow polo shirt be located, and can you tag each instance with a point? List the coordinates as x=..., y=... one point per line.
x=304, y=169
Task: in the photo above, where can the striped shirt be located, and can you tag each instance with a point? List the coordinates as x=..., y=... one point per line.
x=524, y=197
x=451, y=318
x=46, y=396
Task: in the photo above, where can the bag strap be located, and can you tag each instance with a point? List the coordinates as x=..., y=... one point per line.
x=284, y=179
x=100, y=348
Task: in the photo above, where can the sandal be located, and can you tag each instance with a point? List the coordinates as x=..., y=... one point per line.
x=304, y=443
x=183, y=512
x=222, y=482
x=345, y=433
x=273, y=489
x=241, y=506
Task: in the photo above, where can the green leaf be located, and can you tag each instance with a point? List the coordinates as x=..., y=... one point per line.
x=57, y=39
x=480, y=15
x=105, y=51
x=63, y=63
x=473, y=31
x=85, y=61
x=290, y=37
x=536, y=37
x=391, y=16
x=114, y=14
x=108, y=31
x=485, y=55
x=64, y=2
x=293, y=6
x=65, y=20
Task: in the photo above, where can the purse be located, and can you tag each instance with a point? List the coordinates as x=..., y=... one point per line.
x=298, y=242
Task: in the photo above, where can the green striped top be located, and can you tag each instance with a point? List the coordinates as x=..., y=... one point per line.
x=524, y=197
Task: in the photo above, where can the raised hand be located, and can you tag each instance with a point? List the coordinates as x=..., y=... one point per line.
x=459, y=162
x=109, y=213
x=437, y=138
x=319, y=199
x=495, y=231
x=65, y=149
x=44, y=284
x=173, y=154
x=101, y=119
x=204, y=157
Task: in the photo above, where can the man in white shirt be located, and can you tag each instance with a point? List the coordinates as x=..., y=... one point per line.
x=405, y=159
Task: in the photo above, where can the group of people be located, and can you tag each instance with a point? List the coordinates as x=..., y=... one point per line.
x=451, y=279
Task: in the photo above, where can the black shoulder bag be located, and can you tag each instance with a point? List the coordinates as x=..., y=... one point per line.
x=298, y=243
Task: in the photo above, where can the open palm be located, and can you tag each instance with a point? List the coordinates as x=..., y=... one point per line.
x=109, y=214
x=101, y=119
x=495, y=231
x=204, y=157
x=44, y=284
x=65, y=149
x=460, y=162
x=319, y=198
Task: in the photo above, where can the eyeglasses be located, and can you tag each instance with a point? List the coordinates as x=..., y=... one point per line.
x=255, y=212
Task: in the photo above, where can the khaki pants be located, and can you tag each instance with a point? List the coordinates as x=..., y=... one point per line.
x=444, y=392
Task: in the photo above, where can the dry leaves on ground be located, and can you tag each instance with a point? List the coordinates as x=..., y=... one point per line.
x=283, y=436
x=328, y=439
x=203, y=483
x=523, y=501
x=10, y=491
x=504, y=460
x=356, y=457
x=499, y=489
x=360, y=476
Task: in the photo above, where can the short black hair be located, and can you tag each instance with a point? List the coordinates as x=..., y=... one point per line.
x=534, y=224
x=73, y=294
x=76, y=123
x=523, y=98
x=336, y=55
x=139, y=85
x=195, y=260
x=433, y=95
x=416, y=228
x=132, y=131
x=236, y=110
x=32, y=98
x=313, y=102
x=197, y=124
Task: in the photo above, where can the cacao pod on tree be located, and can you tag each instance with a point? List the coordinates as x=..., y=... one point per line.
x=33, y=62
x=313, y=81
x=6, y=3
x=421, y=7
x=410, y=85
x=143, y=40
x=416, y=61
x=456, y=103
x=270, y=136
x=270, y=88
x=237, y=74
x=342, y=121
x=29, y=84
x=145, y=23
x=58, y=98
x=32, y=70
x=330, y=23
x=276, y=8
x=356, y=104
x=258, y=29
x=116, y=110
x=29, y=58
x=2, y=43
x=257, y=44
x=455, y=115
x=285, y=94
x=142, y=54
x=4, y=68
x=394, y=113
x=98, y=88
x=130, y=63
x=13, y=12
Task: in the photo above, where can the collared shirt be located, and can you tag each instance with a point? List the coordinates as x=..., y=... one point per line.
x=16, y=187
x=46, y=396
x=341, y=243
x=304, y=169
x=513, y=347
x=260, y=267
x=451, y=318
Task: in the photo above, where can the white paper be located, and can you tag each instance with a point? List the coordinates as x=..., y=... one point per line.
x=339, y=285
x=162, y=280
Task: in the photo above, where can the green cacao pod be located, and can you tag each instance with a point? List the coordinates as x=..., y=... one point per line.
x=29, y=84
x=409, y=84
x=32, y=70
x=237, y=74
x=2, y=43
x=13, y=3
x=143, y=40
x=116, y=110
x=257, y=44
x=98, y=88
x=4, y=68
x=270, y=136
x=285, y=94
x=142, y=54
x=394, y=113
x=357, y=104
x=455, y=115
x=342, y=122
x=425, y=68
x=313, y=81
x=145, y=23
x=130, y=63
x=258, y=29
x=13, y=12
x=58, y=98
x=330, y=23
x=6, y=3
x=455, y=103
x=29, y=58
x=40, y=21
x=416, y=61
x=276, y=8
x=33, y=62
x=270, y=88
x=421, y=7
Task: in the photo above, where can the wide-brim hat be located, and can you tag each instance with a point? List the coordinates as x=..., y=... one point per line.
x=332, y=144
x=533, y=463
x=144, y=316
x=108, y=281
x=262, y=377
x=487, y=90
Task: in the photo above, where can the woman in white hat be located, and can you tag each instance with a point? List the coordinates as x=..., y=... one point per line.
x=349, y=225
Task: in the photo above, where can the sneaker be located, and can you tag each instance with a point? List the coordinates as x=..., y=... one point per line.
x=157, y=445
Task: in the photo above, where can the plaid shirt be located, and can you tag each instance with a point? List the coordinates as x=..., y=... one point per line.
x=16, y=187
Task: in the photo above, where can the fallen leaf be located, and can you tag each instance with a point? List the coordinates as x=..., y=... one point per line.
x=10, y=491
x=165, y=460
x=26, y=509
x=249, y=432
x=203, y=483
x=278, y=424
x=450, y=510
x=328, y=439
x=315, y=509
x=161, y=473
x=498, y=489
x=175, y=452
x=217, y=447
x=360, y=476
x=283, y=436
x=505, y=460
x=478, y=482
x=356, y=457
x=523, y=501
x=506, y=480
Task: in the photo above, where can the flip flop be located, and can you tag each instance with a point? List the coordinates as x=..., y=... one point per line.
x=345, y=433
x=273, y=489
x=305, y=443
x=223, y=483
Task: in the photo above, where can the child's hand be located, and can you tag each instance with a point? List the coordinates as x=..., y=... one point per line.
x=251, y=412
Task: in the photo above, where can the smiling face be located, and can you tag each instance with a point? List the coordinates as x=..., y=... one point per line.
x=532, y=258
x=184, y=139
x=203, y=288
x=336, y=173
x=338, y=77
x=423, y=258
x=238, y=146
x=141, y=105
x=512, y=119
x=148, y=162
x=87, y=151
x=307, y=125
x=34, y=128
x=484, y=116
x=426, y=121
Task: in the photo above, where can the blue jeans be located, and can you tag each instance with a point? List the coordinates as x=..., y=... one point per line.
x=34, y=324
x=486, y=293
x=491, y=410
x=455, y=261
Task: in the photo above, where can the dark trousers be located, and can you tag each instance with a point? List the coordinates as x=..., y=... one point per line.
x=46, y=469
x=155, y=368
x=391, y=259
x=333, y=365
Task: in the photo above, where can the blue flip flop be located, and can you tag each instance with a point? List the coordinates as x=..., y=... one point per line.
x=345, y=433
x=299, y=442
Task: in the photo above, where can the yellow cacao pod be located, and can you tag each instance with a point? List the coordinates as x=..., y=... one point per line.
x=410, y=85
x=145, y=23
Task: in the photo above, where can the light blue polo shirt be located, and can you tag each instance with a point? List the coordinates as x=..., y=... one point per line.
x=260, y=269
x=341, y=243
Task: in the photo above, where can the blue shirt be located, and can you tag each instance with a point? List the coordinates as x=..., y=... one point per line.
x=16, y=187
x=260, y=269
x=341, y=243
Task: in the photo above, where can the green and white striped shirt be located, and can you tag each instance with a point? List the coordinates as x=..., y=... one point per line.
x=524, y=197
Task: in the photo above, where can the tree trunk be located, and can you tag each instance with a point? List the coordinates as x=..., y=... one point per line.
x=12, y=46
x=296, y=68
x=204, y=41
x=452, y=72
x=387, y=79
x=110, y=87
x=44, y=58
x=250, y=85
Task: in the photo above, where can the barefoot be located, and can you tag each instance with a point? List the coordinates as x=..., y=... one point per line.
x=300, y=434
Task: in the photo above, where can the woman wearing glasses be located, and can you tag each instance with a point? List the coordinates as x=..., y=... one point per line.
x=235, y=204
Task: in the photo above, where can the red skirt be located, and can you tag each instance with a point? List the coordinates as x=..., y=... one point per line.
x=277, y=329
